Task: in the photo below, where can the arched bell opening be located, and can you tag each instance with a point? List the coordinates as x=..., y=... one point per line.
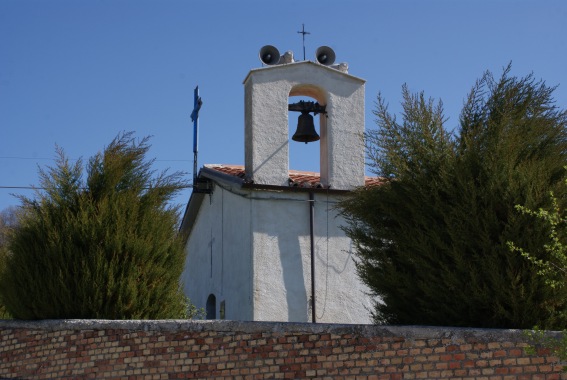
x=306, y=124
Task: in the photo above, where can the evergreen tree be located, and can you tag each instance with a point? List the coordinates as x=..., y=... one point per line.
x=8, y=220
x=432, y=242
x=104, y=247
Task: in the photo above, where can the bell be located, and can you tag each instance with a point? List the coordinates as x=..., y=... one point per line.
x=305, y=129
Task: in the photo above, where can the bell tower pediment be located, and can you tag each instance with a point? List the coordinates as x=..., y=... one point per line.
x=267, y=93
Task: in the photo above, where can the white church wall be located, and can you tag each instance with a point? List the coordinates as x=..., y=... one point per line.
x=282, y=262
x=280, y=243
x=251, y=249
x=196, y=274
x=219, y=255
x=236, y=286
x=341, y=296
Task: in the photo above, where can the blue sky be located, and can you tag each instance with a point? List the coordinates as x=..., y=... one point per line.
x=76, y=73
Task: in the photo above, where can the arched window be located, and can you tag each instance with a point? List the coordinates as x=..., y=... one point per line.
x=211, y=308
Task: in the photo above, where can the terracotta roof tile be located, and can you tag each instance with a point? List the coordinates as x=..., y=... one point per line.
x=296, y=178
x=234, y=170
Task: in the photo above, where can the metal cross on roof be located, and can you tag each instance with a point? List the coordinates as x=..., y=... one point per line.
x=303, y=32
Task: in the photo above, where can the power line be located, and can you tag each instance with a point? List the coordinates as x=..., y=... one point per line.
x=70, y=159
x=83, y=188
x=75, y=159
x=21, y=187
x=29, y=158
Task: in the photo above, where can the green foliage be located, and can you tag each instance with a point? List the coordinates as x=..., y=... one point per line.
x=104, y=247
x=8, y=221
x=432, y=242
x=191, y=311
x=551, y=260
x=540, y=339
x=3, y=255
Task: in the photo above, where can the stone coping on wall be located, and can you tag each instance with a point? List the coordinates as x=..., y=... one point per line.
x=171, y=325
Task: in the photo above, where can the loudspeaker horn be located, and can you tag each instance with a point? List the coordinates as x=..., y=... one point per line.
x=325, y=55
x=269, y=55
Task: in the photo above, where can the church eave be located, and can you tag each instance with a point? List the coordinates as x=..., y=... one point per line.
x=295, y=189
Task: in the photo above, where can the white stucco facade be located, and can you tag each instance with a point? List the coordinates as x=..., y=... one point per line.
x=251, y=250
x=249, y=234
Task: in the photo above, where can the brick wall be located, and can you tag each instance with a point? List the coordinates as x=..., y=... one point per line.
x=254, y=350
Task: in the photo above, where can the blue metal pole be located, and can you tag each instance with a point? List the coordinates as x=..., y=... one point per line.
x=197, y=102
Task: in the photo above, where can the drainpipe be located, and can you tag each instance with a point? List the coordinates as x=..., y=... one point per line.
x=311, y=231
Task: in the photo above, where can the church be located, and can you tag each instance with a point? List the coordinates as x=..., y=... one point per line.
x=264, y=242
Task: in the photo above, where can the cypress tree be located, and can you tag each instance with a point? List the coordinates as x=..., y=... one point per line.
x=103, y=247
x=8, y=221
x=432, y=242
